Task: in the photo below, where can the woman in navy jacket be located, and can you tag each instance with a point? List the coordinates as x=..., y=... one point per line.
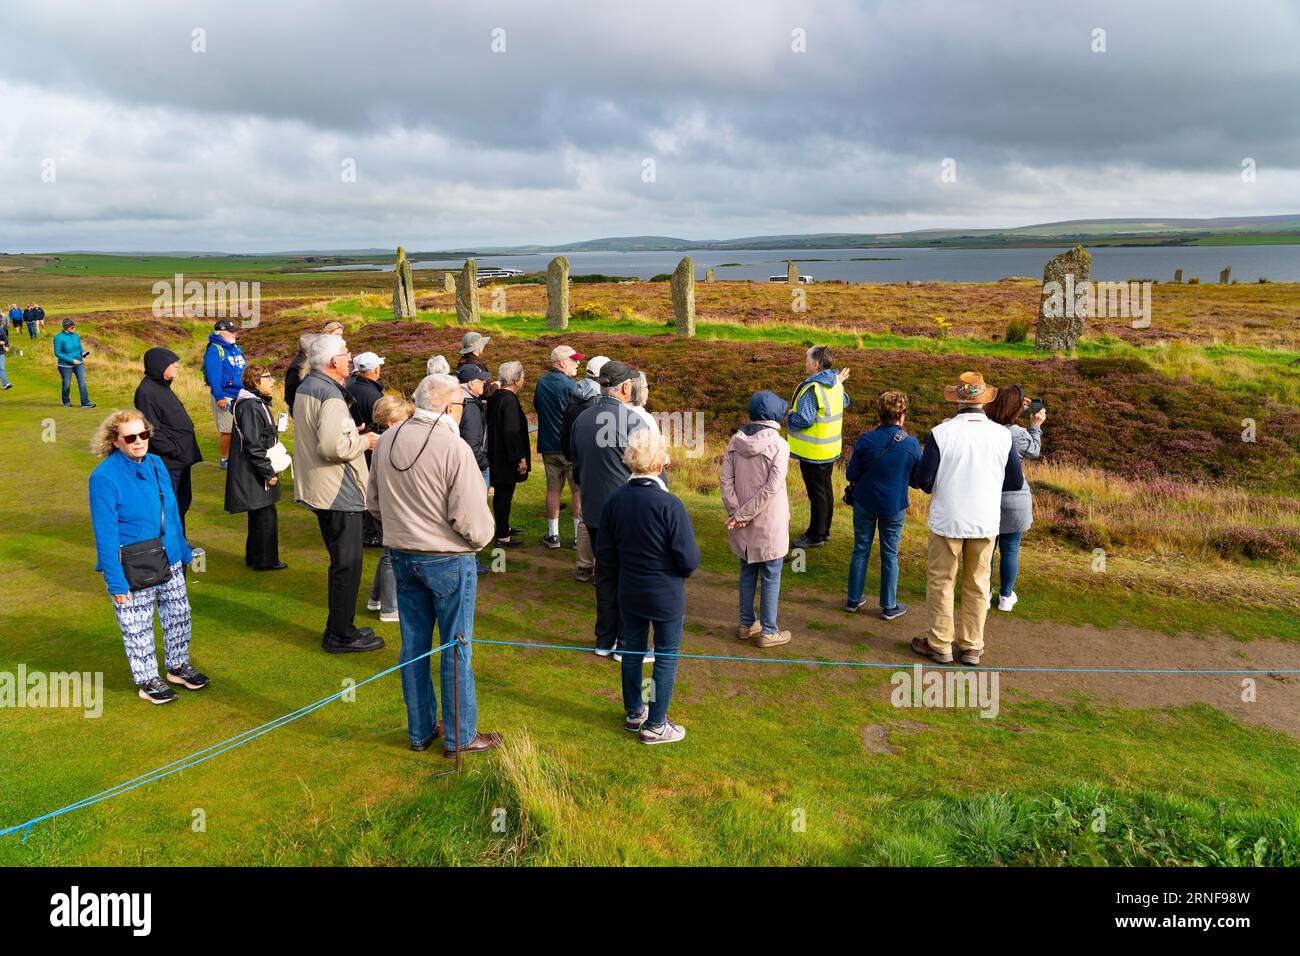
x=125, y=489
x=645, y=536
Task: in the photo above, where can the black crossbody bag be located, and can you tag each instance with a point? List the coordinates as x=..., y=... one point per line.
x=145, y=562
x=898, y=436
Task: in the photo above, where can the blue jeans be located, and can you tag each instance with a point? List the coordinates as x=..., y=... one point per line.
x=437, y=590
x=769, y=573
x=4, y=379
x=384, y=588
x=1009, y=567
x=865, y=524
x=487, y=477
x=31, y=330
x=66, y=372
x=668, y=642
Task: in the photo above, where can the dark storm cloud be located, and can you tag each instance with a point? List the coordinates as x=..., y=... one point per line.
x=545, y=141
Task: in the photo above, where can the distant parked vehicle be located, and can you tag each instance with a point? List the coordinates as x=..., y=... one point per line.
x=804, y=280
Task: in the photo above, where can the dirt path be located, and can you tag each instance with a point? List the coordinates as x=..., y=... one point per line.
x=822, y=629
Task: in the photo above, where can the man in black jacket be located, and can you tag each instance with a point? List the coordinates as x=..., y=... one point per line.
x=473, y=420
x=173, y=438
x=364, y=387
x=597, y=441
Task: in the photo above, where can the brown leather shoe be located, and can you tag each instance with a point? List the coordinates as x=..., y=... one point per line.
x=483, y=741
x=922, y=646
x=437, y=732
x=971, y=657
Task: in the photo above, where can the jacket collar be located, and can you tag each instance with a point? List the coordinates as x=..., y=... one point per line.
x=646, y=480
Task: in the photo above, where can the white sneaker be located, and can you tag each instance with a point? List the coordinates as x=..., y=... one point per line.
x=1007, y=603
x=391, y=618
x=669, y=733
x=605, y=652
x=372, y=605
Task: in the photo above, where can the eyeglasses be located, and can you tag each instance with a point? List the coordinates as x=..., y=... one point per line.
x=138, y=436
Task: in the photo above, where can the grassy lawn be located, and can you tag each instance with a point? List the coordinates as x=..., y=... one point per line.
x=774, y=771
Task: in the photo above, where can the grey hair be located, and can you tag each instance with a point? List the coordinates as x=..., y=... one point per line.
x=438, y=365
x=306, y=339
x=436, y=392
x=322, y=349
x=510, y=372
x=640, y=390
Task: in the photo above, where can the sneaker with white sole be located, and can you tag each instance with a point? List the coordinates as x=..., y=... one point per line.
x=372, y=605
x=890, y=613
x=388, y=617
x=186, y=676
x=774, y=639
x=669, y=733
x=156, y=692
x=1008, y=602
x=634, y=724
x=744, y=633
x=605, y=652
x=552, y=541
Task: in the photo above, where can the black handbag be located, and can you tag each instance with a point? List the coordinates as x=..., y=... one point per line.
x=145, y=562
x=898, y=436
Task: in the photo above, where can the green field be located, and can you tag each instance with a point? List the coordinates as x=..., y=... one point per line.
x=783, y=764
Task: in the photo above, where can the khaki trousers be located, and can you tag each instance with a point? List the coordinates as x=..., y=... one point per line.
x=586, y=550
x=975, y=556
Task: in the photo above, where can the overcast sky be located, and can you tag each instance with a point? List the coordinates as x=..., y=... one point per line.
x=244, y=147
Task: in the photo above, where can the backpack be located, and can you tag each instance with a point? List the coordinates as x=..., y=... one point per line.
x=203, y=357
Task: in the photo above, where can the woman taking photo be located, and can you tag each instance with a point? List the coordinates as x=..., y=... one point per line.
x=252, y=484
x=142, y=553
x=1017, y=506
x=509, y=454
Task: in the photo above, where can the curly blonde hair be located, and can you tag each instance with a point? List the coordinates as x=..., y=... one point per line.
x=645, y=453
x=105, y=439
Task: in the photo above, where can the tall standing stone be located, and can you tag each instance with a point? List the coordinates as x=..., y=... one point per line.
x=448, y=282
x=791, y=273
x=1178, y=275
x=403, y=287
x=1225, y=276
x=467, y=294
x=1059, y=322
x=683, y=285
x=557, y=293
x=708, y=274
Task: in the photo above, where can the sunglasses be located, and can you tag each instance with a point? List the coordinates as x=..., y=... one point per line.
x=138, y=436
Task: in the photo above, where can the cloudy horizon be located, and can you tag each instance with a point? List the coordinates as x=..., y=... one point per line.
x=509, y=124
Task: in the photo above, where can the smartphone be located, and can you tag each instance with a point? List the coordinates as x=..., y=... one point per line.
x=1035, y=406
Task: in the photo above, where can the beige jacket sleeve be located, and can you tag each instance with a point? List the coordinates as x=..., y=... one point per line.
x=337, y=437
x=372, y=486
x=467, y=506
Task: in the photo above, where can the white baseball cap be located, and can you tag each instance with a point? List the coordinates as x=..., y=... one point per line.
x=367, y=362
x=595, y=364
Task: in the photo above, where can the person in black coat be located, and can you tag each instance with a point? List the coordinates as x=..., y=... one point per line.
x=363, y=385
x=645, y=537
x=252, y=485
x=509, y=453
x=173, y=438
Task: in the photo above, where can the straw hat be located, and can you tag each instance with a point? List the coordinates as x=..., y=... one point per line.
x=971, y=389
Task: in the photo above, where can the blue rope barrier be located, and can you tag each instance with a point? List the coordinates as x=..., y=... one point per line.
x=207, y=753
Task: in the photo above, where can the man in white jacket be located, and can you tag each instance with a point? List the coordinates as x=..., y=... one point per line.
x=968, y=462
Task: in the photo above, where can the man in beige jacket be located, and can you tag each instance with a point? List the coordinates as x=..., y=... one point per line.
x=427, y=490
x=330, y=477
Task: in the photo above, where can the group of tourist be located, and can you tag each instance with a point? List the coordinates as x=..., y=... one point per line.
x=432, y=481
x=33, y=316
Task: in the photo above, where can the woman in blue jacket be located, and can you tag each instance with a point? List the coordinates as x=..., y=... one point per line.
x=131, y=500
x=645, y=536
x=879, y=471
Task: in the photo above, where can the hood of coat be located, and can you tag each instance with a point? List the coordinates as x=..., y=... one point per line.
x=245, y=393
x=767, y=407
x=156, y=361
x=827, y=377
x=757, y=439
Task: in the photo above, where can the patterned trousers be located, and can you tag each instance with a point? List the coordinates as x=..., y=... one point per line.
x=135, y=618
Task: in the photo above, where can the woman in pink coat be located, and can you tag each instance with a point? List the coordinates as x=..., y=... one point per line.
x=758, y=514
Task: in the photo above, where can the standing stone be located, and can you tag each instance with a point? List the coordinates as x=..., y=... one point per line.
x=683, y=285
x=467, y=294
x=557, y=293
x=1059, y=323
x=708, y=275
x=1178, y=275
x=1225, y=276
x=791, y=273
x=403, y=287
x=448, y=282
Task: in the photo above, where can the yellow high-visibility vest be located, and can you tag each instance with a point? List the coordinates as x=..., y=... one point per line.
x=822, y=440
